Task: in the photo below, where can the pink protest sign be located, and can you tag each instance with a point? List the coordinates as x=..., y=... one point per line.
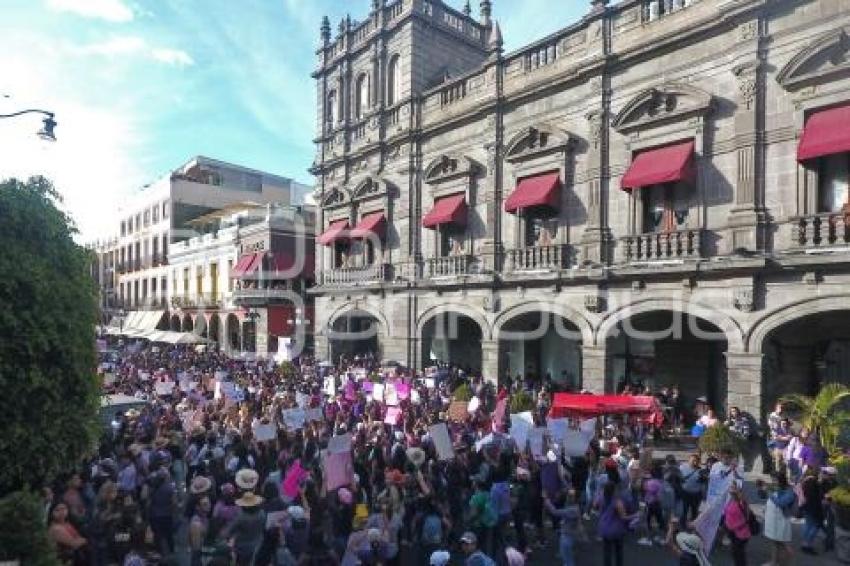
x=393, y=416
x=402, y=390
x=290, y=483
x=338, y=469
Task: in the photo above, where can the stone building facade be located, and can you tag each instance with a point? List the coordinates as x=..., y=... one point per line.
x=655, y=193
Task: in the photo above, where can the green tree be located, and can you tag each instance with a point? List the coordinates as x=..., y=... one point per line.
x=23, y=536
x=48, y=309
x=824, y=414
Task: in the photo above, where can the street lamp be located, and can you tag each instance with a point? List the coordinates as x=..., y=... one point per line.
x=49, y=124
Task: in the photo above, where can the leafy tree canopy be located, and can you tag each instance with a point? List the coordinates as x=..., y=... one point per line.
x=48, y=310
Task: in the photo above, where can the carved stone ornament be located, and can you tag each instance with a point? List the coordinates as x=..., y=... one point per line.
x=669, y=102
x=594, y=124
x=594, y=303
x=447, y=167
x=369, y=187
x=335, y=197
x=536, y=140
x=748, y=30
x=747, y=75
x=743, y=300
x=818, y=62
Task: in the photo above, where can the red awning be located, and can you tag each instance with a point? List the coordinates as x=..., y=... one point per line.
x=255, y=264
x=338, y=230
x=826, y=133
x=241, y=265
x=447, y=210
x=578, y=405
x=666, y=164
x=541, y=190
x=375, y=223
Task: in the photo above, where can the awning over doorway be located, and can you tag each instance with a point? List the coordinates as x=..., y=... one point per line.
x=375, y=223
x=666, y=164
x=826, y=133
x=338, y=230
x=577, y=405
x=447, y=210
x=138, y=323
x=540, y=190
x=241, y=265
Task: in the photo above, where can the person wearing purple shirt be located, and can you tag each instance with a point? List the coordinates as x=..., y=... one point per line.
x=812, y=455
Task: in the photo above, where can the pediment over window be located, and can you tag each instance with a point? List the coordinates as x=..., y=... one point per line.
x=824, y=57
x=371, y=187
x=662, y=104
x=535, y=141
x=335, y=197
x=448, y=167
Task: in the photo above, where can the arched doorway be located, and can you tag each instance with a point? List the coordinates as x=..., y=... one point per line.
x=175, y=323
x=540, y=345
x=232, y=331
x=200, y=327
x=802, y=354
x=215, y=329
x=668, y=348
x=353, y=333
x=454, y=338
x=188, y=324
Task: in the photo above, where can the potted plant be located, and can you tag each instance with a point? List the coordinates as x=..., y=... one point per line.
x=521, y=402
x=823, y=414
x=719, y=439
x=462, y=393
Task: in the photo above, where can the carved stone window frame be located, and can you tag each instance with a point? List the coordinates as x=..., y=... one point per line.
x=446, y=175
x=674, y=121
x=373, y=194
x=807, y=89
x=537, y=150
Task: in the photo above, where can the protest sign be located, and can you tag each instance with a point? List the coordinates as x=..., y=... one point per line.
x=292, y=480
x=302, y=399
x=430, y=383
x=330, y=385
x=378, y=391
x=393, y=416
x=442, y=442
x=499, y=415
x=314, y=414
x=164, y=387
x=521, y=426
x=294, y=419
x=390, y=394
x=402, y=390
x=535, y=441
x=264, y=432
x=557, y=429
x=473, y=405
x=707, y=523
x=577, y=440
x=415, y=398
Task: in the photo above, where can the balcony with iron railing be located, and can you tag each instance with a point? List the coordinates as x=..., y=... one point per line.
x=662, y=246
x=820, y=232
x=366, y=275
x=450, y=266
x=198, y=301
x=551, y=257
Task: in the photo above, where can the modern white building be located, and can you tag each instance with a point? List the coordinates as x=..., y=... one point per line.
x=133, y=270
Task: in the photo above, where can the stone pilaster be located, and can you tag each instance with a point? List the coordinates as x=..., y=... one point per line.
x=490, y=360
x=593, y=368
x=743, y=373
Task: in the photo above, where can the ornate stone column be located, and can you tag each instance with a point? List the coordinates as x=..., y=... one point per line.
x=747, y=219
x=490, y=360
x=593, y=368
x=743, y=376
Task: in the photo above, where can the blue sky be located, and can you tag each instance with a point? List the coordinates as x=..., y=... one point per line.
x=141, y=86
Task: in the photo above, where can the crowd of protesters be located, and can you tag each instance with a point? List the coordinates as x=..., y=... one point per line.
x=190, y=473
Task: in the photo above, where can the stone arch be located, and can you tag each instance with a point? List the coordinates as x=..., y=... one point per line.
x=174, y=323
x=536, y=139
x=349, y=308
x=818, y=61
x=670, y=101
x=215, y=329
x=232, y=330
x=571, y=315
x=729, y=326
x=200, y=325
x=459, y=308
x=188, y=324
x=754, y=339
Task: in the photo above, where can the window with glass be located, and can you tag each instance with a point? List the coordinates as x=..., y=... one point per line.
x=833, y=182
x=165, y=210
x=535, y=228
x=155, y=214
x=665, y=209
x=341, y=250
x=449, y=240
x=330, y=111
x=393, y=81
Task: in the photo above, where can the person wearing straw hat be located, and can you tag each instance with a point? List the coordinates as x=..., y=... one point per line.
x=246, y=531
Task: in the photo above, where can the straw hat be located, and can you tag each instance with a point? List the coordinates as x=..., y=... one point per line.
x=132, y=414
x=249, y=499
x=296, y=513
x=247, y=478
x=416, y=456
x=200, y=484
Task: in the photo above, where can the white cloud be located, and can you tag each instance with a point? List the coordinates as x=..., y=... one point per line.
x=176, y=57
x=135, y=46
x=98, y=157
x=109, y=10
